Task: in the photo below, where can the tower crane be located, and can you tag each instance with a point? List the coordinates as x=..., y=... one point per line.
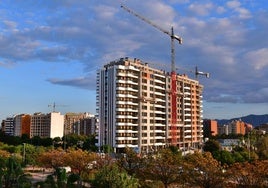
x=197, y=72
x=169, y=33
x=173, y=93
x=54, y=106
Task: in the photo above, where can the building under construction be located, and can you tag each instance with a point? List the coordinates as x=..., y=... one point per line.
x=135, y=108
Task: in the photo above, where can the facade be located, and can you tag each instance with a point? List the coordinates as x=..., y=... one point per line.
x=79, y=123
x=88, y=125
x=210, y=128
x=8, y=126
x=235, y=127
x=224, y=129
x=47, y=125
x=240, y=127
x=22, y=124
x=134, y=108
x=229, y=144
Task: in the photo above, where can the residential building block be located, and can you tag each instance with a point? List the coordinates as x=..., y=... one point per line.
x=79, y=123
x=47, y=125
x=210, y=128
x=134, y=108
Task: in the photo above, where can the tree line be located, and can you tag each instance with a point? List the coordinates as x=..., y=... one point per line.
x=214, y=167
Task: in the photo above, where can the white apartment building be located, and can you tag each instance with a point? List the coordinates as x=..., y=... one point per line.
x=134, y=108
x=47, y=125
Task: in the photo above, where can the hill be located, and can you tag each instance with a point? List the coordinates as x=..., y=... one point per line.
x=255, y=120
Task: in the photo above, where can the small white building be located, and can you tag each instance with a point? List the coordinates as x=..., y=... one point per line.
x=229, y=144
x=47, y=125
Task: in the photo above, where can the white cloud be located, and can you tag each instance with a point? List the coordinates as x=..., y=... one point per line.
x=220, y=10
x=10, y=24
x=99, y=32
x=242, y=12
x=258, y=58
x=201, y=9
x=233, y=4
x=257, y=96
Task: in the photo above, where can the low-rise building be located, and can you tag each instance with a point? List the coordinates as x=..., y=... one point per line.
x=229, y=144
x=47, y=125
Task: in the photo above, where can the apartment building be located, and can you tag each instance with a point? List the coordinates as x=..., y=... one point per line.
x=88, y=125
x=210, y=128
x=79, y=123
x=240, y=127
x=235, y=127
x=134, y=108
x=47, y=125
x=22, y=124
x=8, y=126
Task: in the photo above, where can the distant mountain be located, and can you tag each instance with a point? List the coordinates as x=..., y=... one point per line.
x=255, y=120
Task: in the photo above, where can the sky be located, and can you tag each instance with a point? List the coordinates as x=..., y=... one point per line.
x=50, y=50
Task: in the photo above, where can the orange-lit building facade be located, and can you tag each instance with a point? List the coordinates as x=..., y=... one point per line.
x=134, y=108
x=240, y=127
x=22, y=124
x=210, y=128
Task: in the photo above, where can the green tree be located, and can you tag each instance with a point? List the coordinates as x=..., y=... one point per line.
x=61, y=177
x=224, y=157
x=74, y=140
x=130, y=162
x=262, y=147
x=90, y=143
x=112, y=177
x=57, y=142
x=13, y=172
x=107, y=149
x=238, y=157
x=4, y=155
x=211, y=146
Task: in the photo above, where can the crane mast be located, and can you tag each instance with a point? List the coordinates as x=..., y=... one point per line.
x=173, y=92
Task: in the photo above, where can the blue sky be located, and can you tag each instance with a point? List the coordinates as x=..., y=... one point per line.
x=50, y=50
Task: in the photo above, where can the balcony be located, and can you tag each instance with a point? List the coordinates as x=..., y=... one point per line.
x=127, y=109
x=126, y=131
x=127, y=102
x=188, y=131
x=126, y=117
x=125, y=124
x=127, y=74
x=126, y=138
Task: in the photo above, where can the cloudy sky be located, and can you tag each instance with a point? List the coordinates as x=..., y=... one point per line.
x=50, y=50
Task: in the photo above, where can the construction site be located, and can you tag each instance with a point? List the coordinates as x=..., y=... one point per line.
x=146, y=108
